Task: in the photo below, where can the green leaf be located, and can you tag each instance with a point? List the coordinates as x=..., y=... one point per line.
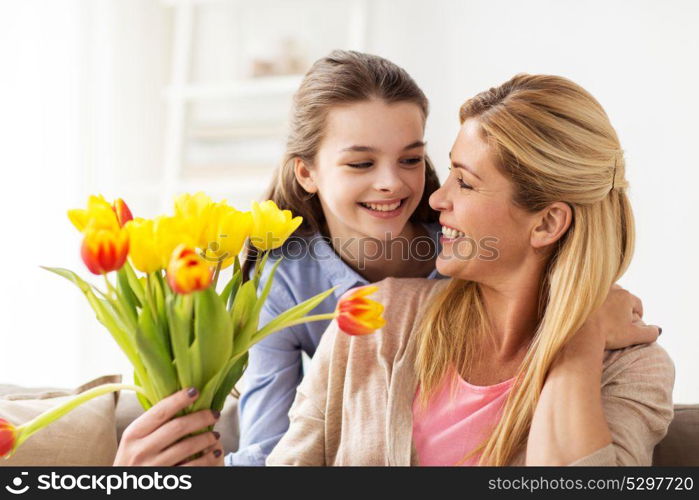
x=231, y=289
x=155, y=355
x=243, y=336
x=212, y=387
x=70, y=276
x=213, y=336
x=179, y=312
x=141, y=399
x=134, y=282
x=294, y=313
x=229, y=381
x=126, y=296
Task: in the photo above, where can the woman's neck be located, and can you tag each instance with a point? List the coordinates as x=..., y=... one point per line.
x=514, y=312
x=398, y=257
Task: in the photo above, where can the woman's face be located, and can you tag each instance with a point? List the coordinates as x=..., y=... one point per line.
x=486, y=237
x=369, y=172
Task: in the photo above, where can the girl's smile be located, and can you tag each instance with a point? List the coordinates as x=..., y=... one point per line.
x=384, y=209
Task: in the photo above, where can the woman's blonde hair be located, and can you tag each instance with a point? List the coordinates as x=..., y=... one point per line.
x=555, y=142
x=343, y=77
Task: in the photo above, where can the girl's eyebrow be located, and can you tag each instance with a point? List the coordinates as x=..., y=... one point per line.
x=370, y=149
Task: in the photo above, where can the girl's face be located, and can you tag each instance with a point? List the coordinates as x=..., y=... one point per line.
x=369, y=173
x=486, y=237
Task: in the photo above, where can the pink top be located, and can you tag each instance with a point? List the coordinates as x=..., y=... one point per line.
x=455, y=423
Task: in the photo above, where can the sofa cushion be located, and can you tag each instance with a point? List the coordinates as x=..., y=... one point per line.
x=681, y=445
x=63, y=441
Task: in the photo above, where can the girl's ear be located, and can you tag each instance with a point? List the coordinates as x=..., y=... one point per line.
x=304, y=176
x=551, y=224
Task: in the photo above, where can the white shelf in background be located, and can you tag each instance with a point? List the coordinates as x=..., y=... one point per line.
x=250, y=87
x=230, y=187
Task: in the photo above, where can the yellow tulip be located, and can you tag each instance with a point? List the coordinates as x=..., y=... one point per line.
x=169, y=233
x=98, y=215
x=271, y=226
x=195, y=211
x=226, y=233
x=143, y=252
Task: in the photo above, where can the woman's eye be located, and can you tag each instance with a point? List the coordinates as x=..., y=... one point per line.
x=463, y=185
x=365, y=164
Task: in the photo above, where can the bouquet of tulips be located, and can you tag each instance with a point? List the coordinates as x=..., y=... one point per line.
x=161, y=305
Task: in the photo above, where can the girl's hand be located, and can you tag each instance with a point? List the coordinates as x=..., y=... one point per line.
x=618, y=324
x=152, y=439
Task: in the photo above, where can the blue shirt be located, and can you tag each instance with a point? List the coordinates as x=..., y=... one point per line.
x=310, y=266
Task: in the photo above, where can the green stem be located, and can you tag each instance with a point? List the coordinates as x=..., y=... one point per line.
x=216, y=273
x=149, y=296
x=27, y=429
x=110, y=288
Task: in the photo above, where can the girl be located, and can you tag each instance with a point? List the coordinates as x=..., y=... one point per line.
x=357, y=171
x=503, y=364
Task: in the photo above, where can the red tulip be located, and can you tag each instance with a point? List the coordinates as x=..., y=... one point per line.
x=105, y=250
x=8, y=437
x=358, y=315
x=187, y=272
x=121, y=209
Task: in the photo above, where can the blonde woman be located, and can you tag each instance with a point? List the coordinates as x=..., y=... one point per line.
x=513, y=360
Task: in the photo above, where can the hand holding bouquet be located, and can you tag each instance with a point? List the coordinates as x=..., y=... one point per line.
x=161, y=305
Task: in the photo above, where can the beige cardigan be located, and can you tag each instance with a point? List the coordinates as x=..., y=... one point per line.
x=354, y=407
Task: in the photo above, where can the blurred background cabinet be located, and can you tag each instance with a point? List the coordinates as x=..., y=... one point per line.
x=234, y=66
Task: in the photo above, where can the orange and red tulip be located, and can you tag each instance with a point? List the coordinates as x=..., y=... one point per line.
x=8, y=437
x=121, y=209
x=187, y=271
x=357, y=314
x=105, y=250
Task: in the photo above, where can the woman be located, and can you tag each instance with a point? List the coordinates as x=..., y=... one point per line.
x=511, y=361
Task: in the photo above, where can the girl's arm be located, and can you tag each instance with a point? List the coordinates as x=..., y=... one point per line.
x=305, y=441
x=577, y=423
x=273, y=373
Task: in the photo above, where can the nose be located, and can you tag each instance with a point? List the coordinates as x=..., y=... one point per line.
x=387, y=179
x=439, y=200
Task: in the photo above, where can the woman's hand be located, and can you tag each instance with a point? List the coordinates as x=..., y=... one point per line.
x=618, y=322
x=153, y=438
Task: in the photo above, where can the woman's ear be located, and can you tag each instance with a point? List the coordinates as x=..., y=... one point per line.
x=551, y=224
x=304, y=176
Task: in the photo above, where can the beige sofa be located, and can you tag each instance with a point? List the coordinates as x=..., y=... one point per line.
x=679, y=448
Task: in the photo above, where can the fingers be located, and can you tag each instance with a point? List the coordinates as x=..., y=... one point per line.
x=162, y=412
x=644, y=334
x=211, y=457
x=178, y=452
x=177, y=428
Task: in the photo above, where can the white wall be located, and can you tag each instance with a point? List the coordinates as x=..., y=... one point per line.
x=82, y=91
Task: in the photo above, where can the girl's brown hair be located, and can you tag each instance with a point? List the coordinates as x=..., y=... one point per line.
x=343, y=77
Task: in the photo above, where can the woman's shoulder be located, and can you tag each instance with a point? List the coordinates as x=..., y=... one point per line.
x=645, y=366
x=402, y=292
